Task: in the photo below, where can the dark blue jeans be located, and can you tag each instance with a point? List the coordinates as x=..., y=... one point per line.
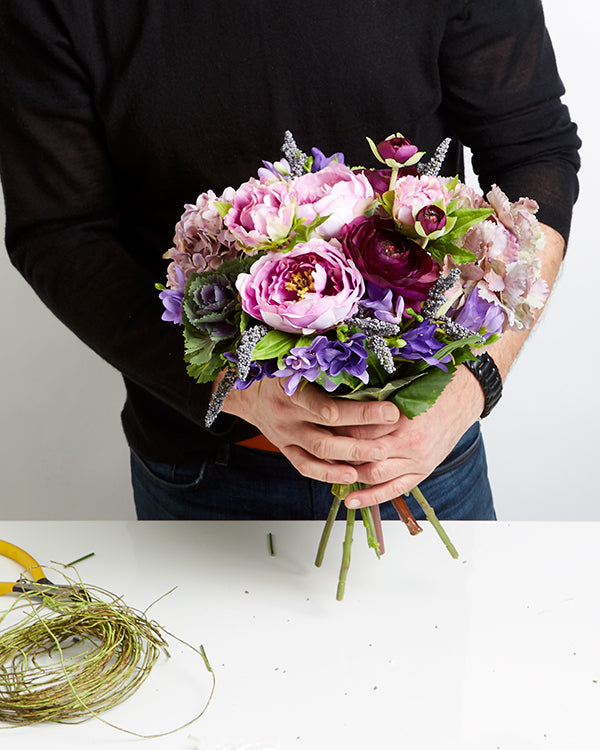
x=238, y=483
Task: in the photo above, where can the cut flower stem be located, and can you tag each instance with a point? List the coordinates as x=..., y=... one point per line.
x=433, y=519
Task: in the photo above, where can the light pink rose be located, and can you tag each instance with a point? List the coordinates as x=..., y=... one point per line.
x=309, y=289
x=412, y=194
x=262, y=213
x=335, y=191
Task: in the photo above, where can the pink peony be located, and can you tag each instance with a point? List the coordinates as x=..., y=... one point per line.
x=335, y=191
x=262, y=213
x=309, y=289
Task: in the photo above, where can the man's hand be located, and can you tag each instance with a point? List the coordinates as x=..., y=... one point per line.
x=311, y=428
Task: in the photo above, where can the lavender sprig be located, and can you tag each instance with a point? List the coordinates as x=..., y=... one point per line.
x=375, y=330
x=296, y=158
x=433, y=166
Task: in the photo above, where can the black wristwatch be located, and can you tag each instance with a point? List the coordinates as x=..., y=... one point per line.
x=485, y=370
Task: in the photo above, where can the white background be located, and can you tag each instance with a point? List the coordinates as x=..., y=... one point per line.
x=62, y=453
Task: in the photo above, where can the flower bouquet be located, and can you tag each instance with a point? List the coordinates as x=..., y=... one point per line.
x=371, y=283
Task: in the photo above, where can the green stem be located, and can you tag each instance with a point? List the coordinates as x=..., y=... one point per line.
x=373, y=538
x=350, y=516
x=432, y=518
x=335, y=505
x=393, y=178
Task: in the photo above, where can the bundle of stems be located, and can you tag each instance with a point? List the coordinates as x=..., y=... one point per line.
x=77, y=653
x=372, y=521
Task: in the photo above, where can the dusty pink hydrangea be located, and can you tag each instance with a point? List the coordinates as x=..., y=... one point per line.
x=202, y=241
x=507, y=270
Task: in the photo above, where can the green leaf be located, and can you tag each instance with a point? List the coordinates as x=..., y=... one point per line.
x=467, y=218
x=384, y=392
x=275, y=344
x=203, y=363
x=444, y=246
x=222, y=207
x=422, y=393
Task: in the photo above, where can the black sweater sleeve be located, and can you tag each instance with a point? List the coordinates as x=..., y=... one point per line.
x=502, y=94
x=63, y=230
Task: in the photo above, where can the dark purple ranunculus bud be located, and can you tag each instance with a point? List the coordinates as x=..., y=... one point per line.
x=397, y=148
x=390, y=260
x=431, y=219
x=380, y=178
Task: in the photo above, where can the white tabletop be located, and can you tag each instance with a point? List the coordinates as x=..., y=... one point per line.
x=498, y=649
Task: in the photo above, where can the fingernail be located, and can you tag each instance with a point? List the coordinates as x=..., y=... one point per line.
x=348, y=478
x=390, y=413
x=378, y=455
x=353, y=504
x=326, y=413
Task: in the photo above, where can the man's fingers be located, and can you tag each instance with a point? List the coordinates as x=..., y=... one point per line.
x=332, y=412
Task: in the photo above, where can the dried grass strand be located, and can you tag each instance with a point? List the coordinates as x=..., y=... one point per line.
x=76, y=655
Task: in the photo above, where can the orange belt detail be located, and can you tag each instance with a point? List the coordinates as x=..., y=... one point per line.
x=260, y=442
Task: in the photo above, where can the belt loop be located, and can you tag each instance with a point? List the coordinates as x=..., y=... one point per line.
x=222, y=455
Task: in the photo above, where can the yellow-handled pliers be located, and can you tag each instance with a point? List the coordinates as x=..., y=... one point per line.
x=39, y=585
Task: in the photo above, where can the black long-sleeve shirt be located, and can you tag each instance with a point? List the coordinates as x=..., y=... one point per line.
x=114, y=114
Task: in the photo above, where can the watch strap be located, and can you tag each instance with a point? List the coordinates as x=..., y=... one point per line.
x=485, y=370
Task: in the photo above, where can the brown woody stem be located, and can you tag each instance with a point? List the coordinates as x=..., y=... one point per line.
x=403, y=511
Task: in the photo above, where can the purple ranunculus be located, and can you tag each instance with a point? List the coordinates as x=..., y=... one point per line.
x=389, y=260
x=320, y=161
x=311, y=288
x=480, y=316
x=421, y=344
x=380, y=303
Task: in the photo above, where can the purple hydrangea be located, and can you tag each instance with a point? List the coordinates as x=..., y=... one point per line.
x=421, y=344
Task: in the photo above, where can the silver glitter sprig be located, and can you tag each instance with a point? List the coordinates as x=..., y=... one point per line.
x=433, y=166
x=375, y=330
x=249, y=340
x=219, y=396
x=436, y=299
x=296, y=158
x=437, y=295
